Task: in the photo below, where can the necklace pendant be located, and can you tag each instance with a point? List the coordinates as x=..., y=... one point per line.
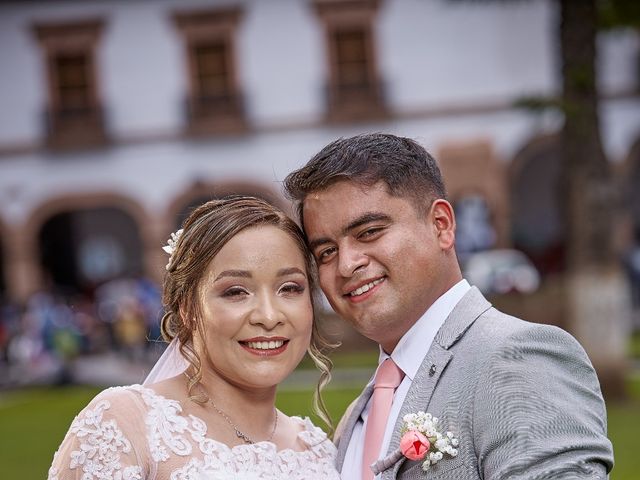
x=241, y=435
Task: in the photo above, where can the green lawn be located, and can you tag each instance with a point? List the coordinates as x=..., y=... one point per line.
x=634, y=345
x=33, y=422
x=341, y=359
x=624, y=423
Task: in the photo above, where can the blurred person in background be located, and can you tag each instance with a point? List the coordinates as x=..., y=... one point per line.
x=130, y=328
x=239, y=315
x=512, y=399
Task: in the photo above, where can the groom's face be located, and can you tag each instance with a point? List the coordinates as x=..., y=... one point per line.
x=380, y=261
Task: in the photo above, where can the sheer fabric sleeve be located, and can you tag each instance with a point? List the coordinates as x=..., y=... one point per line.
x=107, y=440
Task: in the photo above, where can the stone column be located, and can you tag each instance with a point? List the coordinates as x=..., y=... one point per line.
x=23, y=270
x=154, y=234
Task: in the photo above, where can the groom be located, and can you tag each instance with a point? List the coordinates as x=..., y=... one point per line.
x=522, y=399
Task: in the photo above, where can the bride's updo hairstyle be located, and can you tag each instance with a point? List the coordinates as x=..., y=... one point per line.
x=207, y=229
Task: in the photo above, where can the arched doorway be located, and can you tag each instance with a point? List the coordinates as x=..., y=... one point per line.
x=475, y=231
x=81, y=249
x=200, y=193
x=632, y=254
x=3, y=267
x=537, y=228
x=634, y=192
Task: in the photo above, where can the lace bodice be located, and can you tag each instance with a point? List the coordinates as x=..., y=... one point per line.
x=132, y=433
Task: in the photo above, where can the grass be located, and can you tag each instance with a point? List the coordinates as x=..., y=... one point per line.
x=634, y=345
x=33, y=423
x=360, y=359
x=624, y=422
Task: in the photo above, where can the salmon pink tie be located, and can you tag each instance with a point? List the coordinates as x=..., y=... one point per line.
x=385, y=383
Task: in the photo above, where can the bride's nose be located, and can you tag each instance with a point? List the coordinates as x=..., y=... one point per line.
x=266, y=312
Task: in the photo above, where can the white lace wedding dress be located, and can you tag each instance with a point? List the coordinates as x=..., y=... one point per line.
x=131, y=433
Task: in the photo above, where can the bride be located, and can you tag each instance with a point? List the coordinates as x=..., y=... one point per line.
x=239, y=314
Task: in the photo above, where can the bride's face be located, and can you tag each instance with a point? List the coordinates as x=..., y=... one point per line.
x=256, y=306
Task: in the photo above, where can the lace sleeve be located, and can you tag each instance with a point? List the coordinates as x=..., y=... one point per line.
x=106, y=440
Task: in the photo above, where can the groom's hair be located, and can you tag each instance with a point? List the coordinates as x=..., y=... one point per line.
x=407, y=169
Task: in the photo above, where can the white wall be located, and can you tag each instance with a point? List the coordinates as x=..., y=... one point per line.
x=432, y=54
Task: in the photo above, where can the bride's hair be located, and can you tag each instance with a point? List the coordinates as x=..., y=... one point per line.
x=207, y=229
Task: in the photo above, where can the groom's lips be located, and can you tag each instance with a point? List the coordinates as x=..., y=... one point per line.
x=372, y=286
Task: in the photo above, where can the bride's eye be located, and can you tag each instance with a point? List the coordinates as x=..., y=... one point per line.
x=234, y=292
x=291, y=288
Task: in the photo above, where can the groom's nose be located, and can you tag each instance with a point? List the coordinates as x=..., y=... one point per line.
x=350, y=259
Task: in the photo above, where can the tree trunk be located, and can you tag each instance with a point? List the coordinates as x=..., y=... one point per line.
x=598, y=303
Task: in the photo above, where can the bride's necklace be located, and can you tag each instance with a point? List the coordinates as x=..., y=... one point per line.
x=239, y=433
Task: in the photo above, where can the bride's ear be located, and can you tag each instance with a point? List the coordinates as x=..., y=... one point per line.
x=198, y=334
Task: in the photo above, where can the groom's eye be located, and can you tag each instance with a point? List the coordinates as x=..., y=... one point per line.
x=369, y=233
x=324, y=255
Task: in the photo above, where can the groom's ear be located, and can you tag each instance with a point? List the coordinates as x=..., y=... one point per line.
x=443, y=219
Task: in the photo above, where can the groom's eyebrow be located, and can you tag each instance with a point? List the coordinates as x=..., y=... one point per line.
x=313, y=244
x=368, y=217
x=363, y=219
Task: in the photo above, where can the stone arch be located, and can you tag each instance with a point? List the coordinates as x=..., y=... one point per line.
x=472, y=170
x=68, y=204
x=4, y=256
x=537, y=227
x=629, y=183
x=475, y=221
x=200, y=192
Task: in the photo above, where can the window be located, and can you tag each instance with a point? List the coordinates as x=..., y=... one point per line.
x=74, y=116
x=351, y=59
x=354, y=89
x=214, y=103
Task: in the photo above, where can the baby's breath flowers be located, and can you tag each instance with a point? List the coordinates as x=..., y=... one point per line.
x=422, y=440
x=170, y=247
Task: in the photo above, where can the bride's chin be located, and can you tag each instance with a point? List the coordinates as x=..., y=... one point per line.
x=270, y=378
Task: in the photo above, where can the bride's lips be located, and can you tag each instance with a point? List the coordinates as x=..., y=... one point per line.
x=265, y=346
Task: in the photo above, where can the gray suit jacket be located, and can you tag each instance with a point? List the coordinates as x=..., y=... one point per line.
x=522, y=398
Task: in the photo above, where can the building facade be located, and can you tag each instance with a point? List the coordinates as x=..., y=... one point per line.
x=118, y=116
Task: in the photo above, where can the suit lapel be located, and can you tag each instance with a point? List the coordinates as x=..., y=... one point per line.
x=343, y=442
x=418, y=396
x=468, y=309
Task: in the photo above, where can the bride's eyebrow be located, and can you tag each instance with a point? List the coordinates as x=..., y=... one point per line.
x=290, y=271
x=233, y=273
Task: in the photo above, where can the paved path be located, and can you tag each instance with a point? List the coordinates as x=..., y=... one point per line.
x=112, y=369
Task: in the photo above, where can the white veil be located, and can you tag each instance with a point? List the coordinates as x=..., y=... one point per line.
x=170, y=364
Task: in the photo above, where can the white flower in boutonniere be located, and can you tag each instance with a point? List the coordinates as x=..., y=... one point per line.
x=422, y=440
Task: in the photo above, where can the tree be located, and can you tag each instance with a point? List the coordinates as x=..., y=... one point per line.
x=596, y=290
x=597, y=305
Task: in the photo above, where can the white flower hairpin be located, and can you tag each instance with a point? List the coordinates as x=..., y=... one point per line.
x=171, y=245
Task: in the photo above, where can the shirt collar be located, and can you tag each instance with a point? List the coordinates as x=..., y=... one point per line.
x=415, y=343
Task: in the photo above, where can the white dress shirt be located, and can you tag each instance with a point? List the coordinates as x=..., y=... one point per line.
x=408, y=355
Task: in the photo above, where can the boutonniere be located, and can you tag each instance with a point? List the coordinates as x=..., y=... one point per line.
x=421, y=439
